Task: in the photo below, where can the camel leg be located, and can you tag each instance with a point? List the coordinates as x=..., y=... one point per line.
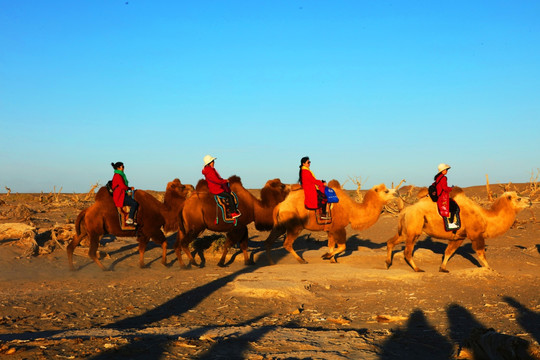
x=274, y=234
x=292, y=234
x=143, y=241
x=228, y=243
x=178, y=250
x=71, y=248
x=451, y=248
x=409, y=247
x=479, y=246
x=338, y=237
x=160, y=239
x=390, y=244
x=244, y=247
x=92, y=251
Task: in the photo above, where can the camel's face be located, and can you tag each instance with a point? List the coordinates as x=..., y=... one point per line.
x=180, y=189
x=518, y=202
x=282, y=189
x=384, y=193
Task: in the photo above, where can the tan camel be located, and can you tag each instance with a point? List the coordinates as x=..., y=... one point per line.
x=292, y=217
x=477, y=224
x=200, y=213
x=101, y=218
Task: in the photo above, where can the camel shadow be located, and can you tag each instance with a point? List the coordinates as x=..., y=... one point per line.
x=418, y=340
x=486, y=343
x=465, y=250
x=302, y=244
x=527, y=319
x=354, y=242
x=150, y=347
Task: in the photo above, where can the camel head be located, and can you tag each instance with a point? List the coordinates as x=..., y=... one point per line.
x=274, y=191
x=175, y=189
x=384, y=193
x=515, y=201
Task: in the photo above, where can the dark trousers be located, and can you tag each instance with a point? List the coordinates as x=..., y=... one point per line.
x=230, y=199
x=133, y=205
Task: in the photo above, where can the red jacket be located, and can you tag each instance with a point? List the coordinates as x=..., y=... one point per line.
x=119, y=190
x=443, y=203
x=216, y=184
x=310, y=185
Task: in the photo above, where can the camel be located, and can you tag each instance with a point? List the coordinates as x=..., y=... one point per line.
x=153, y=218
x=199, y=213
x=477, y=224
x=292, y=217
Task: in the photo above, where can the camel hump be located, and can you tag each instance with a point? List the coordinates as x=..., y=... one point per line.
x=202, y=185
x=235, y=179
x=334, y=184
x=456, y=190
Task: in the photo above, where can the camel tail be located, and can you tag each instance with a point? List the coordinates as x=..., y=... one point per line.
x=79, y=220
x=181, y=226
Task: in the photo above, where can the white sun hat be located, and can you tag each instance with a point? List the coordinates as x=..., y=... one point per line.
x=443, y=166
x=208, y=159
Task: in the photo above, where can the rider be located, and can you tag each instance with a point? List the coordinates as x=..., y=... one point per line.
x=314, y=197
x=443, y=190
x=217, y=185
x=122, y=193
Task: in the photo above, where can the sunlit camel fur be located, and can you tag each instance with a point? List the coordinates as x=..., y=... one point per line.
x=291, y=217
x=101, y=218
x=477, y=224
x=200, y=210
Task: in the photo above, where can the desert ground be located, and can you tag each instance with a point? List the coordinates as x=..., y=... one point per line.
x=352, y=309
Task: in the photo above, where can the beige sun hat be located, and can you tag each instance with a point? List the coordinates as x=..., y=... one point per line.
x=443, y=166
x=208, y=159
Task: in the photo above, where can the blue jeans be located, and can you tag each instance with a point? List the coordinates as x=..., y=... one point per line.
x=133, y=205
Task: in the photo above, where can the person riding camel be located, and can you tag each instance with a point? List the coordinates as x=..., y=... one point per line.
x=443, y=191
x=122, y=193
x=217, y=185
x=314, y=189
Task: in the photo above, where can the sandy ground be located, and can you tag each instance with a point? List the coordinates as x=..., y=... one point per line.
x=354, y=309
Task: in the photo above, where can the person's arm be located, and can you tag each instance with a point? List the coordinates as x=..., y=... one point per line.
x=213, y=176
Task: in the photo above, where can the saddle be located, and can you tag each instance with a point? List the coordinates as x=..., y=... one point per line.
x=323, y=220
x=223, y=207
x=454, y=214
x=123, y=214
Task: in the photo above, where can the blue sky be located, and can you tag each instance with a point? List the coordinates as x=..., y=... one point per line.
x=381, y=90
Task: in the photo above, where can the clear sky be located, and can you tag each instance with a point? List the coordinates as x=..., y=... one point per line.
x=377, y=90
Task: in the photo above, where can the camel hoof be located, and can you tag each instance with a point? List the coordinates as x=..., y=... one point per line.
x=388, y=265
x=443, y=270
x=249, y=263
x=419, y=270
x=302, y=261
x=326, y=256
x=221, y=264
x=333, y=260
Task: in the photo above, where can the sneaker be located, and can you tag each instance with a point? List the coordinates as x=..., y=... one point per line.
x=235, y=215
x=452, y=226
x=129, y=221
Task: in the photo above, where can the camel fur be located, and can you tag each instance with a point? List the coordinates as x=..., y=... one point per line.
x=153, y=218
x=477, y=224
x=291, y=217
x=199, y=213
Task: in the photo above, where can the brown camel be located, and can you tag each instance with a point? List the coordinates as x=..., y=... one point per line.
x=200, y=211
x=101, y=218
x=292, y=217
x=477, y=224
